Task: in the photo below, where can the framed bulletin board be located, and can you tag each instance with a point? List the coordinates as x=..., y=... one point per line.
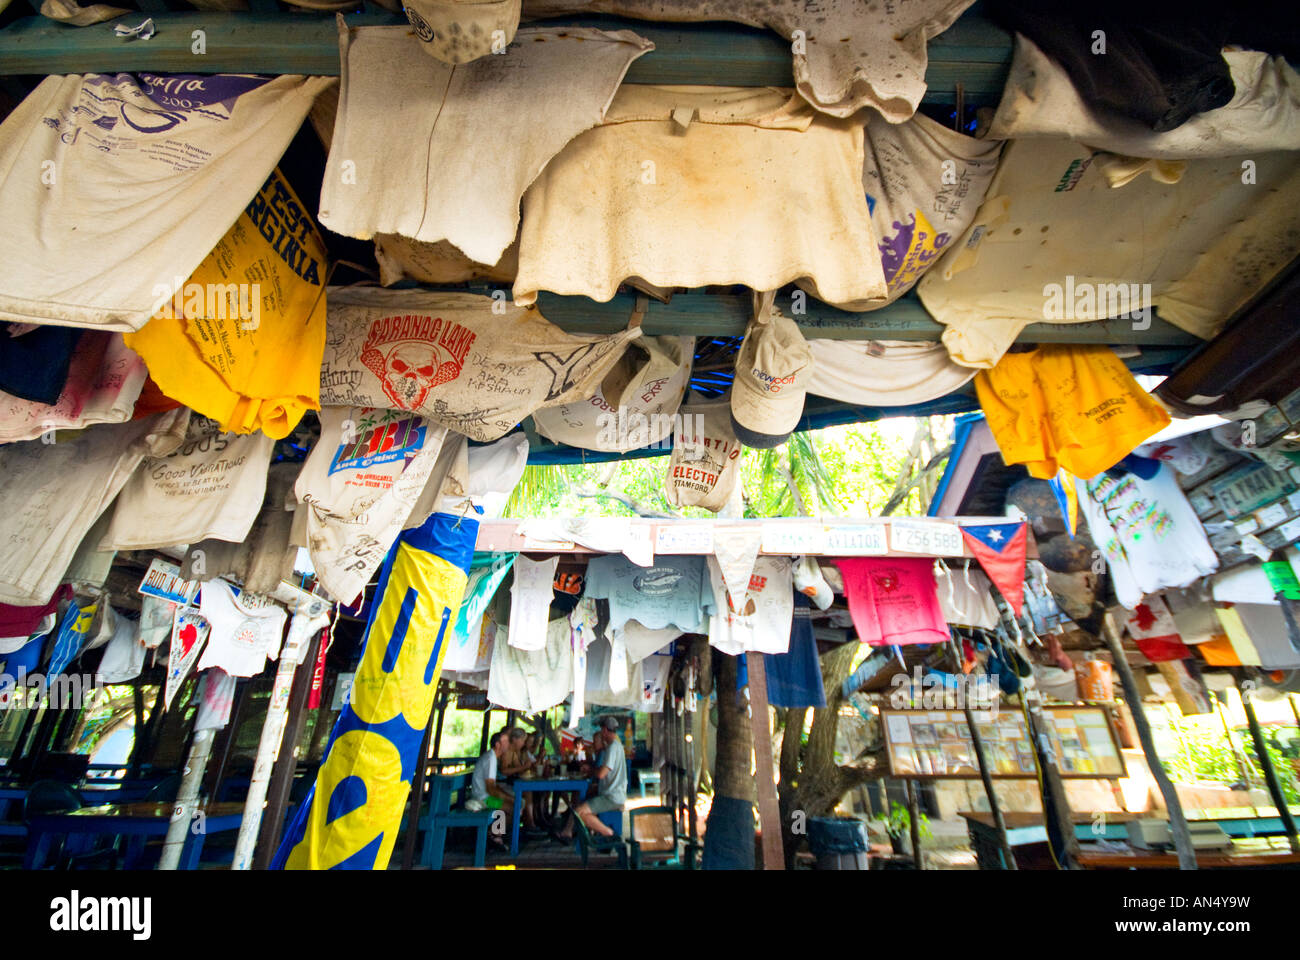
x=938, y=744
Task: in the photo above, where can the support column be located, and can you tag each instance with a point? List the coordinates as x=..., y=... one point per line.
x=186, y=800
x=999, y=822
x=1177, y=821
x=769, y=811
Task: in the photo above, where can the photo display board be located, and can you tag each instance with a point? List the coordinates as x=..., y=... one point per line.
x=938, y=743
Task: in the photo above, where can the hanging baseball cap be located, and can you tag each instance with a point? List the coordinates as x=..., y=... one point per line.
x=634, y=406
x=809, y=581
x=458, y=31
x=772, y=372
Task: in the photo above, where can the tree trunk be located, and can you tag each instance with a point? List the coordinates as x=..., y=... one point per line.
x=729, y=839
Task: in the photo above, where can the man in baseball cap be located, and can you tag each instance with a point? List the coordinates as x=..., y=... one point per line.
x=772, y=372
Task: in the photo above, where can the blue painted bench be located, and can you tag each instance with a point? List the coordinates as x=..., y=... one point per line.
x=441, y=818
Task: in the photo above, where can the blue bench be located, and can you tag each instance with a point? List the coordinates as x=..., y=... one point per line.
x=441, y=818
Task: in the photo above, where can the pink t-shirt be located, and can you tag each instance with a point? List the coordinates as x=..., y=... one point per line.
x=893, y=600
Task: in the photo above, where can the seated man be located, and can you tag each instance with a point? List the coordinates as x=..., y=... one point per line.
x=611, y=781
x=484, y=788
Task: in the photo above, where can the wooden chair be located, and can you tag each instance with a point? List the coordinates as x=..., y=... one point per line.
x=587, y=843
x=654, y=838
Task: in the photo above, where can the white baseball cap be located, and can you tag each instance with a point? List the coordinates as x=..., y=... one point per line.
x=773, y=368
x=635, y=404
x=458, y=31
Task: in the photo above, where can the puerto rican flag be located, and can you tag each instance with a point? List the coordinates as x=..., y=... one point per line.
x=1000, y=549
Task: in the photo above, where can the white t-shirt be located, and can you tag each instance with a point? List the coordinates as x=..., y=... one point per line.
x=104, y=381
x=151, y=171
x=418, y=126
x=1264, y=113
x=241, y=636
x=485, y=769
x=358, y=486
x=211, y=486
x=54, y=493
x=1149, y=533
x=763, y=626
x=530, y=602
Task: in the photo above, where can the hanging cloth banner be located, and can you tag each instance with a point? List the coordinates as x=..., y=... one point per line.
x=1000, y=549
x=189, y=634
x=736, y=549
x=351, y=816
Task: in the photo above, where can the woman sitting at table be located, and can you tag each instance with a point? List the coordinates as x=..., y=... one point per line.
x=516, y=762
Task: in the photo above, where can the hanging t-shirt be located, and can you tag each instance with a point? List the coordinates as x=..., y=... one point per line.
x=794, y=678
x=242, y=636
x=241, y=341
x=1054, y=242
x=115, y=186
x=1040, y=100
x=103, y=382
x=419, y=127
x=1193, y=613
x=530, y=602
x=357, y=488
x=704, y=467
x=466, y=362
x=1149, y=533
x=210, y=487
x=217, y=701
x=124, y=656
x=533, y=680
x=893, y=600
x=847, y=54
x=23, y=621
x=891, y=373
x=639, y=641
x=924, y=184
x=676, y=591
x=1066, y=406
x=762, y=623
x=966, y=598
x=623, y=200
x=54, y=493
x=485, y=576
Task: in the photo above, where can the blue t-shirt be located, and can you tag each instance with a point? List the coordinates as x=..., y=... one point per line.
x=676, y=591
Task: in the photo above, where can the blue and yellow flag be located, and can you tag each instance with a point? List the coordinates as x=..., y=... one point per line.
x=1067, y=498
x=351, y=817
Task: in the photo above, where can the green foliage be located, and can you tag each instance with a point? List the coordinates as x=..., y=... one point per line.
x=1204, y=754
x=838, y=471
x=899, y=822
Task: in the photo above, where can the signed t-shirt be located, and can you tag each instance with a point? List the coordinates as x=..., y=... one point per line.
x=358, y=486
x=674, y=591
x=242, y=636
x=762, y=624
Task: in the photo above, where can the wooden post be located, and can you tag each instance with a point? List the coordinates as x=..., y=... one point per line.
x=286, y=764
x=1056, y=805
x=769, y=811
x=225, y=739
x=1177, y=822
x=999, y=822
x=913, y=790
x=1266, y=764
x=437, y=733
x=487, y=722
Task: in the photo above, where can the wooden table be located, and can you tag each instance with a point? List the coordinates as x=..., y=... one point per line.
x=1024, y=829
x=568, y=785
x=138, y=821
x=1271, y=854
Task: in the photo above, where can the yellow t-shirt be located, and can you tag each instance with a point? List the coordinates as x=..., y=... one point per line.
x=241, y=342
x=1067, y=406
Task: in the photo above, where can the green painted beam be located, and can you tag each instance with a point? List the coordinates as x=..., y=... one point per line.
x=726, y=315
x=973, y=52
